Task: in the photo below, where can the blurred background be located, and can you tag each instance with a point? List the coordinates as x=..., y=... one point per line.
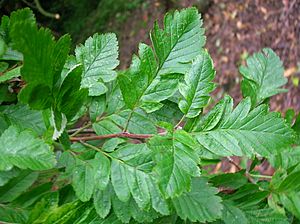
x=234, y=29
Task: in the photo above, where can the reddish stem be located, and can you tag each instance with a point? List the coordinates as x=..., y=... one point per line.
x=117, y=135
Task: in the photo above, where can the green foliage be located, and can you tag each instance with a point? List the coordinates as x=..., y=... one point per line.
x=98, y=57
x=263, y=76
x=131, y=162
x=263, y=132
x=33, y=153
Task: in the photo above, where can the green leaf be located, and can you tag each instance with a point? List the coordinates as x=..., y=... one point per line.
x=114, y=98
x=176, y=162
x=121, y=209
x=232, y=214
x=5, y=176
x=2, y=47
x=11, y=55
x=102, y=171
x=38, y=97
x=197, y=85
x=150, y=81
x=10, y=74
x=22, y=116
x=168, y=113
x=97, y=107
x=24, y=150
x=83, y=180
x=36, y=45
x=106, y=127
x=4, y=28
x=33, y=194
x=102, y=201
x=70, y=97
x=291, y=202
x=21, y=15
x=44, y=59
x=111, y=144
x=17, y=185
x=180, y=41
x=142, y=216
x=265, y=216
x=200, y=204
x=290, y=183
x=264, y=133
x=9, y=214
x=127, y=210
x=99, y=57
x=3, y=67
x=263, y=76
x=67, y=213
x=287, y=158
x=229, y=180
x=43, y=206
x=247, y=196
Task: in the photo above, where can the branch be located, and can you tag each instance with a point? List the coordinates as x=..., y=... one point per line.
x=117, y=135
x=240, y=168
x=179, y=123
x=77, y=131
x=44, y=12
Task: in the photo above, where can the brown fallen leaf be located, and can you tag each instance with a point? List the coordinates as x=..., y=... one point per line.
x=290, y=71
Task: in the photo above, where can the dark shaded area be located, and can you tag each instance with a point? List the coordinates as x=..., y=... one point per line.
x=234, y=29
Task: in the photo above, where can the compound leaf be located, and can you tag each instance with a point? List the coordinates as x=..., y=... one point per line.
x=150, y=80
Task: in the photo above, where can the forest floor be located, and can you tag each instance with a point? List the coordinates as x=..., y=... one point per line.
x=234, y=30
